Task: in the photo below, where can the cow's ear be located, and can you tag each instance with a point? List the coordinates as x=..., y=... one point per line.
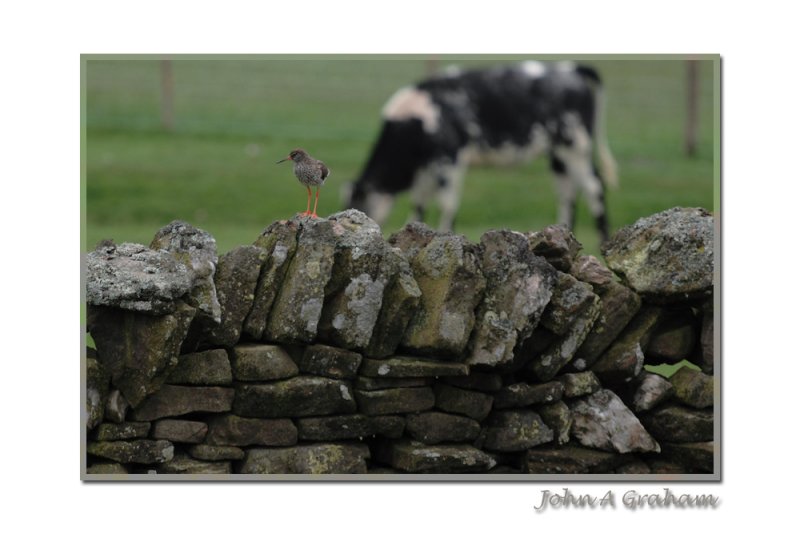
x=346, y=193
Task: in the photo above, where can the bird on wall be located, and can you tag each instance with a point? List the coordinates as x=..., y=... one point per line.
x=310, y=172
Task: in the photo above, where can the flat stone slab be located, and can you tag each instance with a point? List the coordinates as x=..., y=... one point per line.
x=106, y=468
x=269, y=461
x=186, y=465
x=679, y=424
x=207, y=368
x=172, y=401
x=410, y=367
x=352, y=426
x=301, y=396
x=389, y=426
x=697, y=457
x=416, y=457
x=473, y=404
x=693, y=387
x=367, y=383
x=179, y=431
x=394, y=401
x=515, y=430
x=381, y=470
x=633, y=467
x=133, y=277
x=570, y=460
x=334, y=427
x=232, y=430
x=477, y=380
x=602, y=421
x=140, y=451
x=663, y=467
x=504, y=470
x=215, y=453
x=253, y=362
x=318, y=459
x=332, y=458
x=436, y=427
x=523, y=394
x=121, y=431
x=333, y=362
x=668, y=256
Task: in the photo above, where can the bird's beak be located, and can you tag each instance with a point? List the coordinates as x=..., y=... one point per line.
x=284, y=159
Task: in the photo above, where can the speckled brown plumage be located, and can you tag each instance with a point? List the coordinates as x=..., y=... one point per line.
x=310, y=172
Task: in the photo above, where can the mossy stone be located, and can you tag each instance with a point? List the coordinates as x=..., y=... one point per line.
x=139, y=350
x=301, y=396
x=693, y=387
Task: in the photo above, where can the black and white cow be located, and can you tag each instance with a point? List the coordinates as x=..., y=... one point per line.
x=434, y=130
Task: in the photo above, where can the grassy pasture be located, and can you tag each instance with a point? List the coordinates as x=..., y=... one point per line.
x=235, y=118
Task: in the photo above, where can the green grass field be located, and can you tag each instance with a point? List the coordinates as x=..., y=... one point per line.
x=235, y=118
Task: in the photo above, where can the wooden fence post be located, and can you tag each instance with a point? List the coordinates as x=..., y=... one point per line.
x=167, y=96
x=692, y=97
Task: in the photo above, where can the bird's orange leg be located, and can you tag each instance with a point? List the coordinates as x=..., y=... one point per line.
x=314, y=215
x=308, y=204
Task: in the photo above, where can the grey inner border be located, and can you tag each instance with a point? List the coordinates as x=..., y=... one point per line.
x=716, y=476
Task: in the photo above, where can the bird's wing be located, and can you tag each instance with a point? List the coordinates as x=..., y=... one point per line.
x=325, y=170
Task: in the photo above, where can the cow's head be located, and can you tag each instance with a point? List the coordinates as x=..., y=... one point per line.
x=361, y=196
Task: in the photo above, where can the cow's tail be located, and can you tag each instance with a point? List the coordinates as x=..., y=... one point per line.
x=606, y=161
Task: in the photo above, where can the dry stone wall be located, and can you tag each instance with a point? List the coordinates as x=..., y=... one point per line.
x=323, y=348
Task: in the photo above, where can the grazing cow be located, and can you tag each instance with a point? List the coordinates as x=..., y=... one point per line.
x=435, y=129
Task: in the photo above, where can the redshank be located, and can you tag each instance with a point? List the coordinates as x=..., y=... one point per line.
x=310, y=172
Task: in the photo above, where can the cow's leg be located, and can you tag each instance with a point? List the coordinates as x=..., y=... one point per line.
x=576, y=155
x=567, y=191
x=450, y=182
x=422, y=190
x=581, y=173
x=594, y=191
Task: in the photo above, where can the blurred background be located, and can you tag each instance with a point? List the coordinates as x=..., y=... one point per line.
x=197, y=139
